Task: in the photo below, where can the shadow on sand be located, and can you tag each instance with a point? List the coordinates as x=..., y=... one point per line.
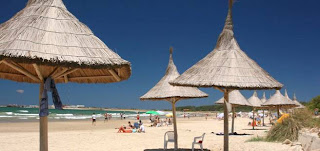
x=261, y=129
x=180, y=149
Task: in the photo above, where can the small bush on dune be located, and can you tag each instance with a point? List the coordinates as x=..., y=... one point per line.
x=288, y=129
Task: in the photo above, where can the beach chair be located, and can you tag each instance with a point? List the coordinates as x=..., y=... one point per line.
x=199, y=141
x=168, y=137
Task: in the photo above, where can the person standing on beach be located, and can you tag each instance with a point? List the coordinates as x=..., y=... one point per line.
x=94, y=119
x=121, y=115
x=138, y=116
x=106, y=117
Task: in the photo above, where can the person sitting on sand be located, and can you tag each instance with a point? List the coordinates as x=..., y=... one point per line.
x=141, y=128
x=130, y=125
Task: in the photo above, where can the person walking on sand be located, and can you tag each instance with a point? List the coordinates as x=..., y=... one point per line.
x=94, y=119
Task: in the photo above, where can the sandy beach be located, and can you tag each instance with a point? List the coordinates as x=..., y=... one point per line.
x=82, y=136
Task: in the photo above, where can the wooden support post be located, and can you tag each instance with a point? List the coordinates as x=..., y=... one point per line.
x=115, y=75
x=21, y=70
x=36, y=67
x=55, y=75
x=263, y=117
x=253, y=119
x=66, y=79
x=66, y=73
x=174, y=124
x=226, y=122
x=233, y=111
x=278, y=111
x=43, y=125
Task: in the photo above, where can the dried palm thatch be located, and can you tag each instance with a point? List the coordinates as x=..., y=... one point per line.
x=235, y=99
x=299, y=105
x=46, y=34
x=254, y=100
x=227, y=68
x=164, y=91
x=278, y=100
x=264, y=98
x=45, y=40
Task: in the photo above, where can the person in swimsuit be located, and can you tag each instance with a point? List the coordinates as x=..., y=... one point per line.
x=94, y=119
x=106, y=117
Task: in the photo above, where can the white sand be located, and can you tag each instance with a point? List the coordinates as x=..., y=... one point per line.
x=81, y=136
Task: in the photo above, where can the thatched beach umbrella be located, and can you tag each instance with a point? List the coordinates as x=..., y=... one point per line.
x=255, y=103
x=263, y=99
x=227, y=68
x=45, y=41
x=164, y=91
x=299, y=105
x=279, y=101
x=235, y=99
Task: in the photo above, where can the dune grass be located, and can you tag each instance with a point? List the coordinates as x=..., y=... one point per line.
x=289, y=128
x=256, y=139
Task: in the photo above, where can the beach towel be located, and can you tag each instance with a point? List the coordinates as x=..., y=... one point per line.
x=50, y=86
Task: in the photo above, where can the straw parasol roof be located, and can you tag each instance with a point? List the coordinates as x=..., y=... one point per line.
x=44, y=40
x=286, y=95
x=278, y=100
x=254, y=100
x=45, y=35
x=163, y=90
x=264, y=98
x=235, y=98
x=299, y=105
x=227, y=66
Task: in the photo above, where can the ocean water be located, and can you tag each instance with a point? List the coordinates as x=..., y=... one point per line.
x=30, y=114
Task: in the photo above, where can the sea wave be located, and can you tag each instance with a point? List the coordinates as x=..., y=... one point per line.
x=23, y=111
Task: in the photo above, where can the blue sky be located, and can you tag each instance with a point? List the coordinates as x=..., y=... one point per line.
x=281, y=36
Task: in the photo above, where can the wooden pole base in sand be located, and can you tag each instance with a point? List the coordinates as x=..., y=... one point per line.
x=233, y=112
x=43, y=127
x=226, y=124
x=173, y=102
x=253, y=124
